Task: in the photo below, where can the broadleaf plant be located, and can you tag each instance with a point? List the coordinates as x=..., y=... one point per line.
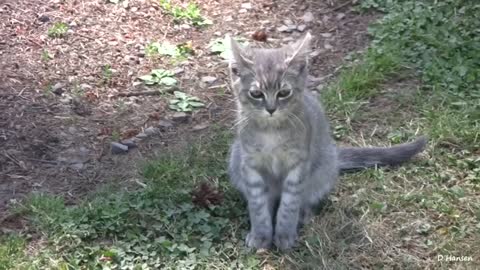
x=159, y=76
x=221, y=47
x=185, y=103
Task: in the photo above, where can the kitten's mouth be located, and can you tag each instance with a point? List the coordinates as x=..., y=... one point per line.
x=277, y=116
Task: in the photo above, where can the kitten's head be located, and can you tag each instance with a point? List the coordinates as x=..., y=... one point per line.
x=269, y=83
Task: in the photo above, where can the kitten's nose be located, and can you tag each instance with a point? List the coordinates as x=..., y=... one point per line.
x=271, y=110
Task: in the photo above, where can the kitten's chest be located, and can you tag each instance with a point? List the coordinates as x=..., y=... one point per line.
x=273, y=152
x=268, y=142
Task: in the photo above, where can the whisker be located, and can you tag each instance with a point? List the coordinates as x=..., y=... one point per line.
x=297, y=119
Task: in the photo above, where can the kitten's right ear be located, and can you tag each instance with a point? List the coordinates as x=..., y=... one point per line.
x=240, y=60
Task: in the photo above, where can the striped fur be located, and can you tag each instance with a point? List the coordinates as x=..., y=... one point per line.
x=285, y=162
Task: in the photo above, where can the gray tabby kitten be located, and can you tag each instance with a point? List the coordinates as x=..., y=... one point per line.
x=283, y=159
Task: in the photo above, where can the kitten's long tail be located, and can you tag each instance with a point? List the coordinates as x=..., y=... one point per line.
x=353, y=158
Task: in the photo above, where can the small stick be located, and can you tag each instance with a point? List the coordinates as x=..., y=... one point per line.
x=141, y=93
x=102, y=149
x=21, y=92
x=82, y=35
x=43, y=161
x=14, y=160
x=337, y=8
x=144, y=93
x=34, y=42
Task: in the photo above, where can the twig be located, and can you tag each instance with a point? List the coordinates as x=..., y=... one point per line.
x=34, y=42
x=43, y=161
x=145, y=93
x=337, y=8
x=21, y=92
x=140, y=93
x=14, y=160
x=218, y=86
x=82, y=35
x=166, y=32
x=102, y=149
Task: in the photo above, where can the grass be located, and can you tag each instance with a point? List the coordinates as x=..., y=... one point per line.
x=430, y=208
x=11, y=251
x=417, y=77
x=57, y=30
x=191, y=13
x=107, y=74
x=184, y=103
x=178, y=52
x=46, y=56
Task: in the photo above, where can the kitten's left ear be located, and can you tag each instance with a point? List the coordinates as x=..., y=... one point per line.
x=299, y=50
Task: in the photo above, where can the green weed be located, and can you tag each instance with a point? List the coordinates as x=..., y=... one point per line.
x=11, y=251
x=107, y=74
x=179, y=51
x=46, y=56
x=185, y=103
x=191, y=13
x=159, y=76
x=57, y=30
x=221, y=47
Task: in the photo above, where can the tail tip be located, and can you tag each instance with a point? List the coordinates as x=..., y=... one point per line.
x=421, y=143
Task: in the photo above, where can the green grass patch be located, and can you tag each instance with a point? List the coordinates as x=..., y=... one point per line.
x=157, y=226
x=11, y=251
x=439, y=43
x=429, y=205
x=57, y=30
x=191, y=13
x=178, y=52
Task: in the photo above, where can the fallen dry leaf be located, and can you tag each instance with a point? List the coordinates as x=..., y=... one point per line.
x=205, y=194
x=260, y=36
x=105, y=131
x=130, y=133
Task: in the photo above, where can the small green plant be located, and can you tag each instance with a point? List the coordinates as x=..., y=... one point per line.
x=178, y=51
x=115, y=134
x=48, y=90
x=46, y=56
x=184, y=103
x=159, y=76
x=191, y=13
x=58, y=30
x=107, y=74
x=12, y=251
x=221, y=47
x=77, y=89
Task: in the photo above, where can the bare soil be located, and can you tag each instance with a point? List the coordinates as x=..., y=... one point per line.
x=60, y=109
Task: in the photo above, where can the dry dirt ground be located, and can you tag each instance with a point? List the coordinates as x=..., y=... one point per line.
x=61, y=104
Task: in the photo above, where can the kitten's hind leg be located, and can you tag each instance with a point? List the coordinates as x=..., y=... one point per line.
x=306, y=214
x=308, y=211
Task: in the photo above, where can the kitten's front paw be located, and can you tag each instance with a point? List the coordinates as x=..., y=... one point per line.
x=285, y=240
x=258, y=240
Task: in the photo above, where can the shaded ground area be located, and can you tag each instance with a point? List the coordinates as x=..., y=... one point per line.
x=59, y=100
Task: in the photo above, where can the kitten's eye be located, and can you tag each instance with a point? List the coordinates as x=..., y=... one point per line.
x=256, y=94
x=284, y=93
x=235, y=71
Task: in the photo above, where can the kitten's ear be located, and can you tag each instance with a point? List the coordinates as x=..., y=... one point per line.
x=240, y=59
x=299, y=50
